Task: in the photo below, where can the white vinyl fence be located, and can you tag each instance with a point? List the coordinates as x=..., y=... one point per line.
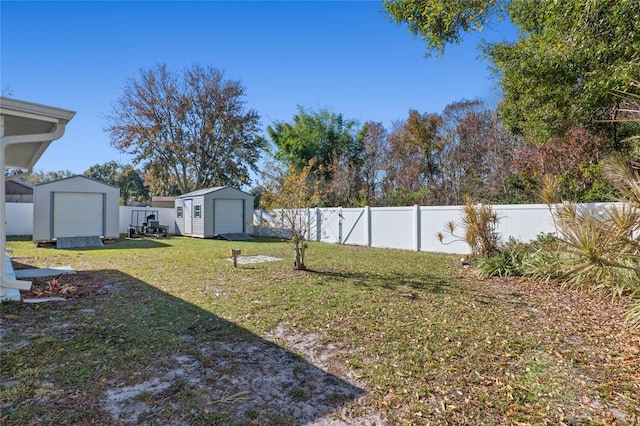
x=20, y=217
x=415, y=227
x=408, y=228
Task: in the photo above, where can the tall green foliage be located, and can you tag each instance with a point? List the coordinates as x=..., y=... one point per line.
x=322, y=136
x=568, y=58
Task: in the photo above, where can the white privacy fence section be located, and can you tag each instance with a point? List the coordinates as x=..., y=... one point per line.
x=415, y=227
x=20, y=217
x=166, y=216
x=408, y=228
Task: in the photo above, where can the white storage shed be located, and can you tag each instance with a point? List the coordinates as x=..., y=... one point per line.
x=208, y=213
x=75, y=207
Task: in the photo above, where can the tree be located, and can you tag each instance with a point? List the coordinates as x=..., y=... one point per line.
x=42, y=176
x=323, y=136
x=194, y=126
x=128, y=179
x=442, y=22
x=477, y=154
x=569, y=57
x=131, y=184
x=289, y=194
x=573, y=160
x=106, y=172
x=413, y=159
x=375, y=156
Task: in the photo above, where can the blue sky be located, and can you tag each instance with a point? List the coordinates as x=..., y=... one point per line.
x=342, y=55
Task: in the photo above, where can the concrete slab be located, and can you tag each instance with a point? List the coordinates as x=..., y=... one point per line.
x=43, y=272
x=247, y=260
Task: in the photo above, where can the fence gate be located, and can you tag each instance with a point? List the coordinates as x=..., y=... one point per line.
x=330, y=225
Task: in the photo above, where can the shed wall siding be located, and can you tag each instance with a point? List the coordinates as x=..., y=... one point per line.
x=42, y=198
x=205, y=225
x=198, y=222
x=179, y=228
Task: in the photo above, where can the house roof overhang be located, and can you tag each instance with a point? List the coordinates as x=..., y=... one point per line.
x=26, y=130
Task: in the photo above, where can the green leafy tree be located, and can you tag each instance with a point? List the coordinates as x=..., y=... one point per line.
x=106, y=172
x=569, y=57
x=42, y=176
x=195, y=126
x=443, y=22
x=323, y=136
x=128, y=179
x=131, y=184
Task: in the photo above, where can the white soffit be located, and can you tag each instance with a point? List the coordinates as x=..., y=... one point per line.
x=20, y=120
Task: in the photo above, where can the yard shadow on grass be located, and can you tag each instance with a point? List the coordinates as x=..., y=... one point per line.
x=390, y=280
x=139, y=355
x=122, y=243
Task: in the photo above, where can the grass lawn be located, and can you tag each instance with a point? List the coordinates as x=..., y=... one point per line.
x=167, y=331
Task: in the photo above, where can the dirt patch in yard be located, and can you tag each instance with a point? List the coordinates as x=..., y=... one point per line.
x=259, y=381
x=282, y=378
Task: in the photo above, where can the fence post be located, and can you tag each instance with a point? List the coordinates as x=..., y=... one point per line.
x=340, y=225
x=367, y=225
x=318, y=225
x=416, y=227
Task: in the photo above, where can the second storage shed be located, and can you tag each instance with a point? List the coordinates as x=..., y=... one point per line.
x=207, y=213
x=75, y=207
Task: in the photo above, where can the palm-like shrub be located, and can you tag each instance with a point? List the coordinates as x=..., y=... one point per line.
x=479, y=223
x=600, y=250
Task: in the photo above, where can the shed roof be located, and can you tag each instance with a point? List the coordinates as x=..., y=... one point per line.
x=205, y=191
x=22, y=182
x=76, y=177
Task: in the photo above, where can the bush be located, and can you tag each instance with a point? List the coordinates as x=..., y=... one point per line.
x=503, y=264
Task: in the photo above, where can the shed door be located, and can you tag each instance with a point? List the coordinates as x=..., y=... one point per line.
x=228, y=216
x=188, y=216
x=78, y=214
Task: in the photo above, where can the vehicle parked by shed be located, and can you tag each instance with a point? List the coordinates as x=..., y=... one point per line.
x=214, y=212
x=76, y=206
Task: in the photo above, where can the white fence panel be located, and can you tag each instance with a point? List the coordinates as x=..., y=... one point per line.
x=393, y=227
x=166, y=216
x=330, y=225
x=434, y=220
x=268, y=224
x=355, y=224
x=19, y=217
x=523, y=222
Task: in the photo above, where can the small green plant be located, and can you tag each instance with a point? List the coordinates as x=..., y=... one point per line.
x=297, y=394
x=479, y=223
x=503, y=264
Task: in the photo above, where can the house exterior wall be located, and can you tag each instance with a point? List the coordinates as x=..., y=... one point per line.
x=43, y=198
